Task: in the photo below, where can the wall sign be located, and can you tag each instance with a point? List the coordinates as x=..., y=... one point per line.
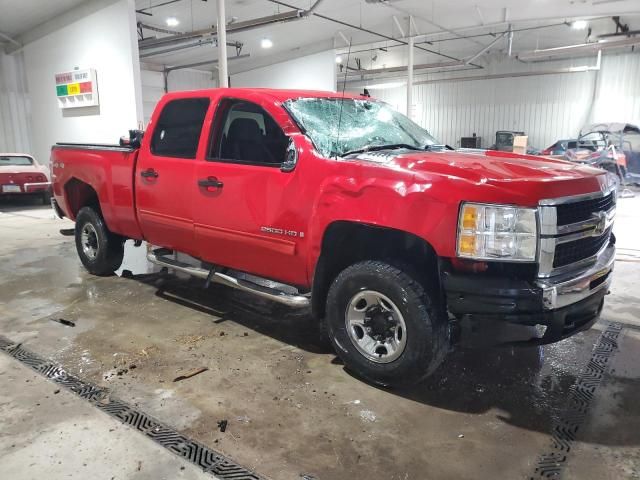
x=77, y=89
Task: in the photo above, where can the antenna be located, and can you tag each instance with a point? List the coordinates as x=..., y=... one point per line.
x=344, y=86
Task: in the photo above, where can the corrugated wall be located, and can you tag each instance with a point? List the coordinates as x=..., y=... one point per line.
x=153, y=86
x=618, y=90
x=15, y=131
x=546, y=107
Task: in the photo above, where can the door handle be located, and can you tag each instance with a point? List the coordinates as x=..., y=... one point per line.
x=210, y=183
x=149, y=173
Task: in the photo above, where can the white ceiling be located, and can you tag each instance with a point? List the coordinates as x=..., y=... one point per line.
x=19, y=16
x=449, y=18
x=445, y=19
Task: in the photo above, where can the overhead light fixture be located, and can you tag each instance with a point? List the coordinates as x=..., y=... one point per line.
x=338, y=59
x=266, y=43
x=172, y=22
x=579, y=24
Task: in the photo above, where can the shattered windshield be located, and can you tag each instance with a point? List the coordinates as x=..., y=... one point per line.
x=15, y=160
x=363, y=125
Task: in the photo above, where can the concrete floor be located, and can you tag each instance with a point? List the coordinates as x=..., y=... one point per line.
x=292, y=409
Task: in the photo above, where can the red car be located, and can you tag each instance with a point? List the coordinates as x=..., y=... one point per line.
x=21, y=174
x=401, y=247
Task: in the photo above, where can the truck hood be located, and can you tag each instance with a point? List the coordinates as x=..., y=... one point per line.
x=519, y=175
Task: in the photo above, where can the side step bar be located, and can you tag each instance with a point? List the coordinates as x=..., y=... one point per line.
x=295, y=301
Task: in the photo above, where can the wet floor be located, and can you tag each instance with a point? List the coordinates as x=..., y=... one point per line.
x=292, y=409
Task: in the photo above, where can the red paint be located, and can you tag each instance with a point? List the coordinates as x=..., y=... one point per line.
x=419, y=193
x=85, y=87
x=24, y=176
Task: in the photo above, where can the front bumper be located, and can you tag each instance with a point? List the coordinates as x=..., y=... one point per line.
x=551, y=309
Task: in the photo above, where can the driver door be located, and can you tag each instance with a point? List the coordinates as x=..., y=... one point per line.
x=247, y=215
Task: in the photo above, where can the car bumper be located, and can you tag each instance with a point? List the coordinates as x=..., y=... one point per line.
x=27, y=188
x=488, y=311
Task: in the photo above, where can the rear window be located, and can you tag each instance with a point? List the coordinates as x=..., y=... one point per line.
x=177, y=132
x=15, y=160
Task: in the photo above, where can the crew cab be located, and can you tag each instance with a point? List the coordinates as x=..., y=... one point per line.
x=401, y=247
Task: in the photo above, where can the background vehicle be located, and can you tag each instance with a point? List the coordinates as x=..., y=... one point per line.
x=560, y=147
x=400, y=246
x=21, y=174
x=614, y=147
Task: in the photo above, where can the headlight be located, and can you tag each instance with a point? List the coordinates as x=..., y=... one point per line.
x=494, y=232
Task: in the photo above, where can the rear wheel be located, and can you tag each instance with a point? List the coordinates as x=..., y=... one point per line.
x=46, y=198
x=100, y=251
x=384, y=325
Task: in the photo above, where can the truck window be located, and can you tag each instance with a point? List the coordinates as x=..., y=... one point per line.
x=177, y=132
x=246, y=133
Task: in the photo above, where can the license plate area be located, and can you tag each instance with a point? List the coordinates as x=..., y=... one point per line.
x=11, y=189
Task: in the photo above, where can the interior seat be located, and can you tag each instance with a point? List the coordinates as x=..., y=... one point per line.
x=245, y=142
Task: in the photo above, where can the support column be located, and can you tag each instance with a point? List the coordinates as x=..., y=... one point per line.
x=223, y=75
x=410, y=112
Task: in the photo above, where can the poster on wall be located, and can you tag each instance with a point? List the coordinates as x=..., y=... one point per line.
x=78, y=88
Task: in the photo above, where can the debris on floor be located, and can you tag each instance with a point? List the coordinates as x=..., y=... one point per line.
x=63, y=321
x=367, y=415
x=190, y=341
x=222, y=425
x=191, y=373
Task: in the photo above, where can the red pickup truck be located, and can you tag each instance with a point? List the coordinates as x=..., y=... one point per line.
x=402, y=247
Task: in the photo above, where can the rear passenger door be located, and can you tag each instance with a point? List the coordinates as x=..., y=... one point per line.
x=165, y=171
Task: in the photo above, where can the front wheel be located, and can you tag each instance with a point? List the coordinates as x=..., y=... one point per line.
x=100, y=251
x=384, y=325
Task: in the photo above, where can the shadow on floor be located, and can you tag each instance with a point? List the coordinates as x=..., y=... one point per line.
x=527, y=387
x=22, y=202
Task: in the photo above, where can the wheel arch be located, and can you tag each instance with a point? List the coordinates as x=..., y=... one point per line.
x=79, y=194
x=347, y=242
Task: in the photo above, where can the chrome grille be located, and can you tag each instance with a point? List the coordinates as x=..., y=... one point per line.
x=569, y=213
x=571, y=252
x=574, y=230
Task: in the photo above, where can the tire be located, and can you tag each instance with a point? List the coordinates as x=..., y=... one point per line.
x=100, y=251
x=46, y=198
x=420, y=349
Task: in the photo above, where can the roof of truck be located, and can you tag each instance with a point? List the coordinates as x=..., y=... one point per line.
x=276, y=94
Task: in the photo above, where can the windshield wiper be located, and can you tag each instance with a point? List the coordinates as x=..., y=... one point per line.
x=374, y=148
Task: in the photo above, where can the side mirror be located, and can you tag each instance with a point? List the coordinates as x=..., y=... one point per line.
x=134, y=140
x=290, y=157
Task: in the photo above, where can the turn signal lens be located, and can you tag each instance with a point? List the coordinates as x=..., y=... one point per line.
x=467, y=244
x=469, y=217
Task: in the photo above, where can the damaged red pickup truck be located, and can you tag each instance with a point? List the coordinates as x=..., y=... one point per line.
x=401, y=247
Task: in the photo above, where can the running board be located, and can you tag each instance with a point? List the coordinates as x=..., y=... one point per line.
x=295, y=301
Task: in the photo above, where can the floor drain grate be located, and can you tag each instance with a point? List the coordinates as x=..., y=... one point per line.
x=209, y=460
x=551, y=464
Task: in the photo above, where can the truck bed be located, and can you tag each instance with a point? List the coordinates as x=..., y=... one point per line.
x=101, y=170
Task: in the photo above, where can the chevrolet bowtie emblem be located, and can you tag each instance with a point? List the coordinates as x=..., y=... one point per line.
x=600, y=223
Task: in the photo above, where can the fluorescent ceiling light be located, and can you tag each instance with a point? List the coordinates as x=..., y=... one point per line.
x=338, y=59
x=266, y=43
x=172, y=22
x=579, y=24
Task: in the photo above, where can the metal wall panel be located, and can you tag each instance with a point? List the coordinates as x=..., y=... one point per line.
x=15, y=131
x=153, y=86
x=545, y=107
